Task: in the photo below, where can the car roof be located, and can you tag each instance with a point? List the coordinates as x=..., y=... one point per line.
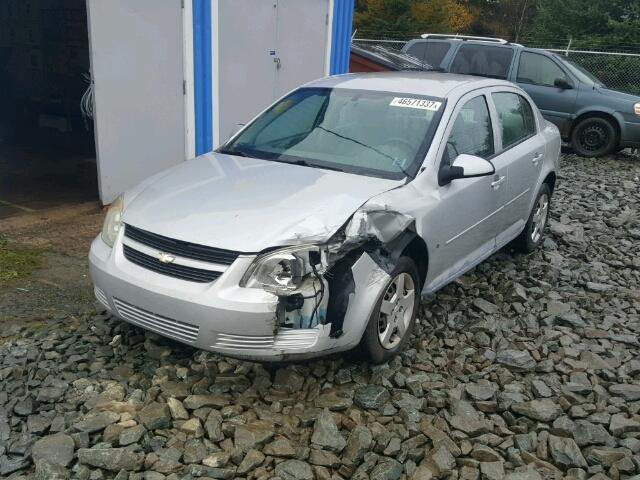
x=434, y=84
x=462, y=40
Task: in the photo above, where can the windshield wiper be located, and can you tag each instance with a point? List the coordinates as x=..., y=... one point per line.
x=487, y=75
x=236, y=152
x=304, y=163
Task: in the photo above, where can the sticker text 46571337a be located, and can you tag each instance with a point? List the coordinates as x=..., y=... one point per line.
x=419, y=103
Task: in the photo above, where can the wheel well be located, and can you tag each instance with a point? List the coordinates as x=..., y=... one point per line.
x=551, y=181
x=606, y=116
x=417, y=251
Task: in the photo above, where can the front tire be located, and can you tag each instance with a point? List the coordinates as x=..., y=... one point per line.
x=533, y=234
x=594, y=137
x=394, y=316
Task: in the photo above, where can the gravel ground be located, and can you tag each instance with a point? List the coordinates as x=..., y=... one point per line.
x=525, y=368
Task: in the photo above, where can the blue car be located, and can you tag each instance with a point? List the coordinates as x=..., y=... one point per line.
x=595, y=120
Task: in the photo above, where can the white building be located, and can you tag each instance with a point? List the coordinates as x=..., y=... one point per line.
x=172, y=78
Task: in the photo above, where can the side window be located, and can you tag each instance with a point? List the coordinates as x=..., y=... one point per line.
x=472, y=132
x=538, y=70
x=515, y=116
x=484, y=60
x=431, y=53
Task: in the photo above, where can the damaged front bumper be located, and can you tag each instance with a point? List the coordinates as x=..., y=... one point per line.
x=248, y=323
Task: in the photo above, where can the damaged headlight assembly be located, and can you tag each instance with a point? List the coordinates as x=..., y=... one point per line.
x=112, y=222
x=283, y=271
x=295, y=275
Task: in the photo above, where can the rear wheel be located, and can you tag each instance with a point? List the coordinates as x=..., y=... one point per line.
x=594, y=137
x=394, y=316
x=533, y=233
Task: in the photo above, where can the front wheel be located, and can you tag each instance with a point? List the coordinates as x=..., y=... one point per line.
x=394, y=316
x=533, y=233
x=594, y=137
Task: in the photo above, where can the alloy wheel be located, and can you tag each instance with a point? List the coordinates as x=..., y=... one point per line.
x=540, y=214
x=396, y=310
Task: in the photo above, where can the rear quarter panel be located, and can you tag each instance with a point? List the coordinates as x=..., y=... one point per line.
x=553, y=141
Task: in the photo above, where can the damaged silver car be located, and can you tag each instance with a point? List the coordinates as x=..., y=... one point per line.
x=318, y=226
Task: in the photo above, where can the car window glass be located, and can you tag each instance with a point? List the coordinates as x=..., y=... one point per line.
x=579, y=71
x=358, y=131
x=472, y=132
x=298, y=120
x=431, y=53
x=538, y=70
x=484, y=60
x=515, y=116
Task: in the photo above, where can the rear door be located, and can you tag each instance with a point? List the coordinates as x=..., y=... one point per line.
x=137, y=67
x=536, y=74
x=521, y=152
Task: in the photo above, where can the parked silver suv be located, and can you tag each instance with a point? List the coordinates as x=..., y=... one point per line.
x=316, y=228
x=595, y=120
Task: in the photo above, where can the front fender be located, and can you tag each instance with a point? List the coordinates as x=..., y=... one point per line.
x=600, y=109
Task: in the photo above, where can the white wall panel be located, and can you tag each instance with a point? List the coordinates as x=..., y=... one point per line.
x=137, y=66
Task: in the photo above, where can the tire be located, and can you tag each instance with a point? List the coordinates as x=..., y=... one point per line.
x=372, y=345
x=594, y=137
x=533, y=234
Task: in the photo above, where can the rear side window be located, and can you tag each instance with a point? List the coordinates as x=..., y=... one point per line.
x=483, y=60
x=538, y=70
x=516, y=117
x=431, y=53
x=472, y=132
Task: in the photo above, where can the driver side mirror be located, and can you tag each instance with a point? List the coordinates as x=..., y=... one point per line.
x=465, y=166
x=562, y=83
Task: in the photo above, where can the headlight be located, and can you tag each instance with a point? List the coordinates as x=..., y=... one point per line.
x=112, y=222
x=282, y=271
x=636, y=108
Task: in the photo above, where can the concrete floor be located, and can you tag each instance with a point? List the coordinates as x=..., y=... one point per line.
x=32, y=180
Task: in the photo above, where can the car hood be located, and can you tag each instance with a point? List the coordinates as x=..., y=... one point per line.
x=248, y=205
x=618, y=95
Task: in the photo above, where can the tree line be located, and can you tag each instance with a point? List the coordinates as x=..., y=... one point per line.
x=608, y=24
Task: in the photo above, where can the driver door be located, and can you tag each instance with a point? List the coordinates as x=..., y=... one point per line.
x=463, y=223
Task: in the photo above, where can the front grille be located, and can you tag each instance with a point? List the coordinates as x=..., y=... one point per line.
x=157, y=323
x=170, y=269
x=180, y=247
x=286, y=338
x=101, y=296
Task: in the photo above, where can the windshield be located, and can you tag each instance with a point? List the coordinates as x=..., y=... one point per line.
x=580, y=72
x=356, y=131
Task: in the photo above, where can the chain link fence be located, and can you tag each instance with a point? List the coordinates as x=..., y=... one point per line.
x=616, y=68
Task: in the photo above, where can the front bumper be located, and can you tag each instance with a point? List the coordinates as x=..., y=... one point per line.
x=630, y=135
x=221, y=316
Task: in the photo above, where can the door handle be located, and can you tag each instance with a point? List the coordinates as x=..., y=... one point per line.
x=495, y=185
x=536, y=158
x=277, y=61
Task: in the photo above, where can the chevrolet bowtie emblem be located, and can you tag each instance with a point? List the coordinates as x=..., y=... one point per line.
x=165, y=258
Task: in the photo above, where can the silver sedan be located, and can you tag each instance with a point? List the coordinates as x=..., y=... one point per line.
x=316, y=228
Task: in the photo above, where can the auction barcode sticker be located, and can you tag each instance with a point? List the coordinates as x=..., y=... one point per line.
x=420, y=103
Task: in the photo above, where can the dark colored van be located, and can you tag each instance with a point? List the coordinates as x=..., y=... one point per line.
x=592, y=118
